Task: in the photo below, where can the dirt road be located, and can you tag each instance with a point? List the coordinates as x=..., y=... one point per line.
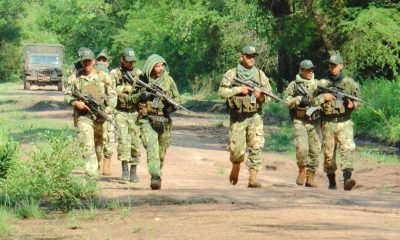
x=197, y=202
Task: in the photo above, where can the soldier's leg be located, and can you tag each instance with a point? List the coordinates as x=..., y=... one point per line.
x=302, y=145
x=164, y=139
x=150, y=141
x=255, y=142
x=86, y=138
x=98, y=141
x=124, y=143
x=347, y=147
x=314, y=147
x=134, y=134
x=329, y=143
x=236, y=148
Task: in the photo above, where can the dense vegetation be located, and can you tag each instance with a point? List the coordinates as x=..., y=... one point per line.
x=201, y=39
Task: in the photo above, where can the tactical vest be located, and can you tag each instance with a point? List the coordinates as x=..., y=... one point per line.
x=244, y=103
x=157, y=106
x=300, y=112
x=338, y=107
x=123, y=103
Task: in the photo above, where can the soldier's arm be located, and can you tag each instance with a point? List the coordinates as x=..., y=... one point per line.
x=111, y=93
x=320, y=98
x=292, y=100
x=68, y=97
x=355, y=91
x=225, y=89
x=265, y=85
x=174, y=91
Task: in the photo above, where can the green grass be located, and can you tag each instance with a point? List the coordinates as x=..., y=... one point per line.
x=5, y=217
x=28, y=208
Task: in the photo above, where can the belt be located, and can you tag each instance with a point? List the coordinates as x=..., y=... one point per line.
x=238, y=117
x=125, y=110
x=335, y=119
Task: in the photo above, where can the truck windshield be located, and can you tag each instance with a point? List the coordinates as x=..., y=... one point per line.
x=44, y=60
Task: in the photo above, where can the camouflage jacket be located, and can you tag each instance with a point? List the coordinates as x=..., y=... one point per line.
x=97, y=84
x=336, y=107
x=127, y=93
x=236, y=101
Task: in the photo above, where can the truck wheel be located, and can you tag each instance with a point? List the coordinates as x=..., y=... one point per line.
x=60, y=86
x=27, y=86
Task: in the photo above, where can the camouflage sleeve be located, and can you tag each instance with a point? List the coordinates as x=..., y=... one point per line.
x=225, y=89
x=320, y=96
x=174, y=91
x=355, y=91
x=265, y=85
x=111, y=93
x=290, y=96
x=68, y=97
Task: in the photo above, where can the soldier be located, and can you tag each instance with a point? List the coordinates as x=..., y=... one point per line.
x=109, y=129
x=301, y=95
x=155, y=122
x=126, y=115
x=244, y=107
x=90, y=127
x=337, y=127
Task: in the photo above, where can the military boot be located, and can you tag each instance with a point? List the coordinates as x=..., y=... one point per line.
x=234, y=177
x=348, y=181
x=133, y=177
x=301, y=177
x=125, y=171
x=332, y=181
x=253, y=183
x=107, y=166
x=310, y=182
x=155, y=183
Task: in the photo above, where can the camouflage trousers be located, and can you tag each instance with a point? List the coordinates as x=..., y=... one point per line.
x=308, y=143
x=108, y=135
x=334, y=134
x=246, y=132
x=90, y=135
x=129, y=137
x=156, y=144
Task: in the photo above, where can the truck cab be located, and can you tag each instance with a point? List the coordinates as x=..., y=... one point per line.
x=43, y=65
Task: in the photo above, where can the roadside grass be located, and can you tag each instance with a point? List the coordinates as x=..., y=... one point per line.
x=28, y=208
x=5, y=217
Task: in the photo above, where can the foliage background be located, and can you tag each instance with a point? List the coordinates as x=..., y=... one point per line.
x=201, y=39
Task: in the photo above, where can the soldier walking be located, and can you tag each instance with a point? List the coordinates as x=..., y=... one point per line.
x=96, y=84
x=109, y=129
x=155, y=121
x=337, y=127
x=245, y=108
x=301, y=95
x=126, y=115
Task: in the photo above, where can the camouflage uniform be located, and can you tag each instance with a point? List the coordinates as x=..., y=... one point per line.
x=126, y=118
x=307, y=129
x=90, y=130
x=155, y=122
x=246, y=124
x=337, y=127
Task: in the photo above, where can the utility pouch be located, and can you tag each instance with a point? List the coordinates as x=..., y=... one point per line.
x=158, y=122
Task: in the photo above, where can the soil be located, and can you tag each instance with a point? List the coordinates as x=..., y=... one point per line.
x=197, y=202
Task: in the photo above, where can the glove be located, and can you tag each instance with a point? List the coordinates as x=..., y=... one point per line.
x=304, y=102
x=146, y=96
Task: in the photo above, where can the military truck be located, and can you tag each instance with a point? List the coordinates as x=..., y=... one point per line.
x=43, y=65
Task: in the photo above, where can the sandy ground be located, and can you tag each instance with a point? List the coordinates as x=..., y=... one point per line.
x=197, y=202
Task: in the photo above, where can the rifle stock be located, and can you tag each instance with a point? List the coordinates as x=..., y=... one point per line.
x=256, y=87
x=341, y=94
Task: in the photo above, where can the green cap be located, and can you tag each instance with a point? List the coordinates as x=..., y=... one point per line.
x=336, y=59
x=306, y=64
x=87, y=54
x=128, y=54
x=249, y=50
x=102, y=54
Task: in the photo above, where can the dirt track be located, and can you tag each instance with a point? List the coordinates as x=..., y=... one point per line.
x=197, y=201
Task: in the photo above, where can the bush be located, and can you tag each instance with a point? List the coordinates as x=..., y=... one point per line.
x=48, y=174
x=8, y=153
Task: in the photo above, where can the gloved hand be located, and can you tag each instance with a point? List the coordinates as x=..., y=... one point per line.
x=146, y=96
x=304, y=102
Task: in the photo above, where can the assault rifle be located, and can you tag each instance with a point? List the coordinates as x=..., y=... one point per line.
x=312, y=110
x=157, y=91
x=256, y=87
x=340, y=95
